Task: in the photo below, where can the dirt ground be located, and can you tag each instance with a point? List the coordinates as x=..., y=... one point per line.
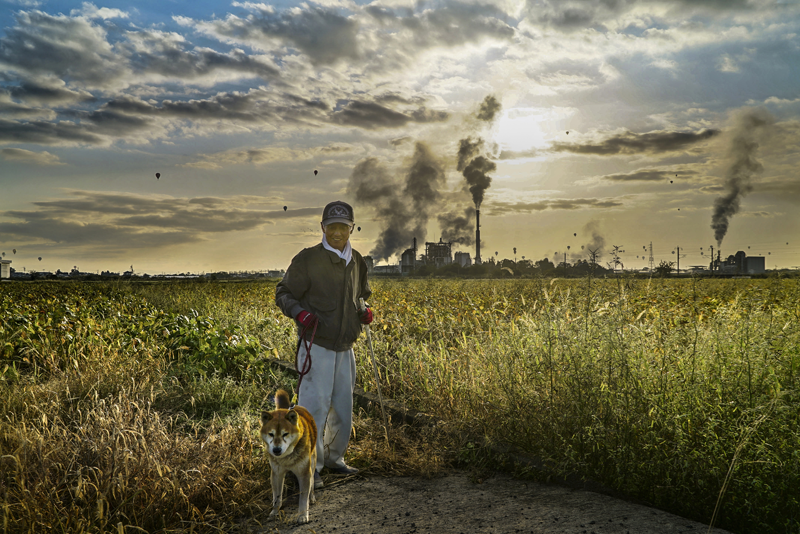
x=453, y=504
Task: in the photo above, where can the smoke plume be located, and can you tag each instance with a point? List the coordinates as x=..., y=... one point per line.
x=596, y=243
x=473, y=158
x=402, y=204
x=748, y=126
x=475, y=167
x=458, y=228
x=489, y=108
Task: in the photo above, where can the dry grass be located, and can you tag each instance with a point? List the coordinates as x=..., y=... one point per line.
x=116, y=416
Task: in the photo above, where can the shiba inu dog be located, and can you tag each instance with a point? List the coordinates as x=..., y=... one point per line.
x=291, y=438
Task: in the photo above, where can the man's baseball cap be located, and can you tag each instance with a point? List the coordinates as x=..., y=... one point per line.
x=338, y=212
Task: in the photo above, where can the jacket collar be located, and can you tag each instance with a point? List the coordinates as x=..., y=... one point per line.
x=346, y=254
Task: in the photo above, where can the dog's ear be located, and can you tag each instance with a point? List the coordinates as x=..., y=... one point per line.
x=266, y=417
x=291, y=416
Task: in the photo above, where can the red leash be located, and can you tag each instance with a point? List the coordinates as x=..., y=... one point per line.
x=307, y=344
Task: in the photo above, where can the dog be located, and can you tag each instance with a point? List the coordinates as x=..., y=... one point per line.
x=291, y=437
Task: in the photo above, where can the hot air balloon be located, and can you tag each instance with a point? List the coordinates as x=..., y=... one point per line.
x=670, y=181
x=575, y=234
x=581, y=247
x=158, y=175
x=567, y=132
x=40, y=258
x=14, y=251
x=496, y=253
x=285, y=208
x=315, y=172
x=359, y=228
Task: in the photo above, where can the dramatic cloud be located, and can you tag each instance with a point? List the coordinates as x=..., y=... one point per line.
x=168, y=55
x=632, y=143
x=26, y=156
x=370, y=115
x=51, y=92
x=95, y=218
x=504, y=208
x=601, y=14
x=647, y=175
x=47, y=133
x=70, y=48
x=322, y=34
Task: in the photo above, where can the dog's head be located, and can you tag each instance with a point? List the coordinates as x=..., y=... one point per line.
x=280, y=431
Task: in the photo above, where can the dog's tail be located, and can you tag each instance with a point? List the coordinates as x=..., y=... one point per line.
x=282, y=400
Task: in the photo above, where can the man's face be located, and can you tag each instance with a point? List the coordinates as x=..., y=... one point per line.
x=337, y=234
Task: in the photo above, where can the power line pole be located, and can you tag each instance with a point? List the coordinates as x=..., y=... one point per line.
x=652, y=260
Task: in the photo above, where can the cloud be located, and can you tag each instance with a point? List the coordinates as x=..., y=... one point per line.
x=270, y=154
x=99, y=218
x=572, y=15
x=628, y=143
x=91, y=11
x=68, y=48
x=647, y=175
x=169, y=55
x=370, y=115
x=47, y=133
x=504, y=208
x=322, y=34
x=26, y=156
x=48, y=92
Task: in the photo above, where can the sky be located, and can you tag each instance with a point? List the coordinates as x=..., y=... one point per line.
x=204, y=136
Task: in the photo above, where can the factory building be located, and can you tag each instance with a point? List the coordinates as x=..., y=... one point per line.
x=741, y=263
x=5, y=269
x=438, y=254
x=408, y=260
x=463, y=259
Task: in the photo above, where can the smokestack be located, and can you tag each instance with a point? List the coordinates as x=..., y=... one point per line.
x=477, y=237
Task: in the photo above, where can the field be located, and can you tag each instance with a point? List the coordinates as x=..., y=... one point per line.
x=133, y=407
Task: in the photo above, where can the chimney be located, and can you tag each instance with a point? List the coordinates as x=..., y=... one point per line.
x=477, y=237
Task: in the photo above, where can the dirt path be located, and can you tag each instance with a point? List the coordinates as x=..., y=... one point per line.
x=454, y=505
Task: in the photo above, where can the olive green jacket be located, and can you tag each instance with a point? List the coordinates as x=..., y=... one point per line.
x=319, y=282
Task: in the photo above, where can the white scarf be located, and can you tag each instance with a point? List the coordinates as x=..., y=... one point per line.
x=346, y=254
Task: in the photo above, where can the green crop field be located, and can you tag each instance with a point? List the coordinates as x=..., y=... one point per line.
x=133, y=407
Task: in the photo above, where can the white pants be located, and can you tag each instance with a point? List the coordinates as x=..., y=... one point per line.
x=327, y=393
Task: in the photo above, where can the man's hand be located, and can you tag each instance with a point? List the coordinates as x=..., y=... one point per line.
x=366, y=317
x=305, y=318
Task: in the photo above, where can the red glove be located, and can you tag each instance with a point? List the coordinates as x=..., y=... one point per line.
x=305, y=318
x=366, y=317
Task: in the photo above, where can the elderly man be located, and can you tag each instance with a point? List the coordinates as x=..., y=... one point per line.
x=321, y=291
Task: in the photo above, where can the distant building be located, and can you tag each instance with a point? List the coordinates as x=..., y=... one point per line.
x=5, y=269
x=741, y=263
x=386, y=269
x=463, y=259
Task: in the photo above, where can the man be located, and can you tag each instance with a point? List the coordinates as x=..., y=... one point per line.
x=321, y=291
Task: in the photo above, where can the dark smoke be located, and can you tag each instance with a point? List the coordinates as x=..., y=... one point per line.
x=489, y=108
x=473, y=158
x=747, y=127
x=596, y=241
x=402, y=204
x=457, y=228
x=475, y=168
